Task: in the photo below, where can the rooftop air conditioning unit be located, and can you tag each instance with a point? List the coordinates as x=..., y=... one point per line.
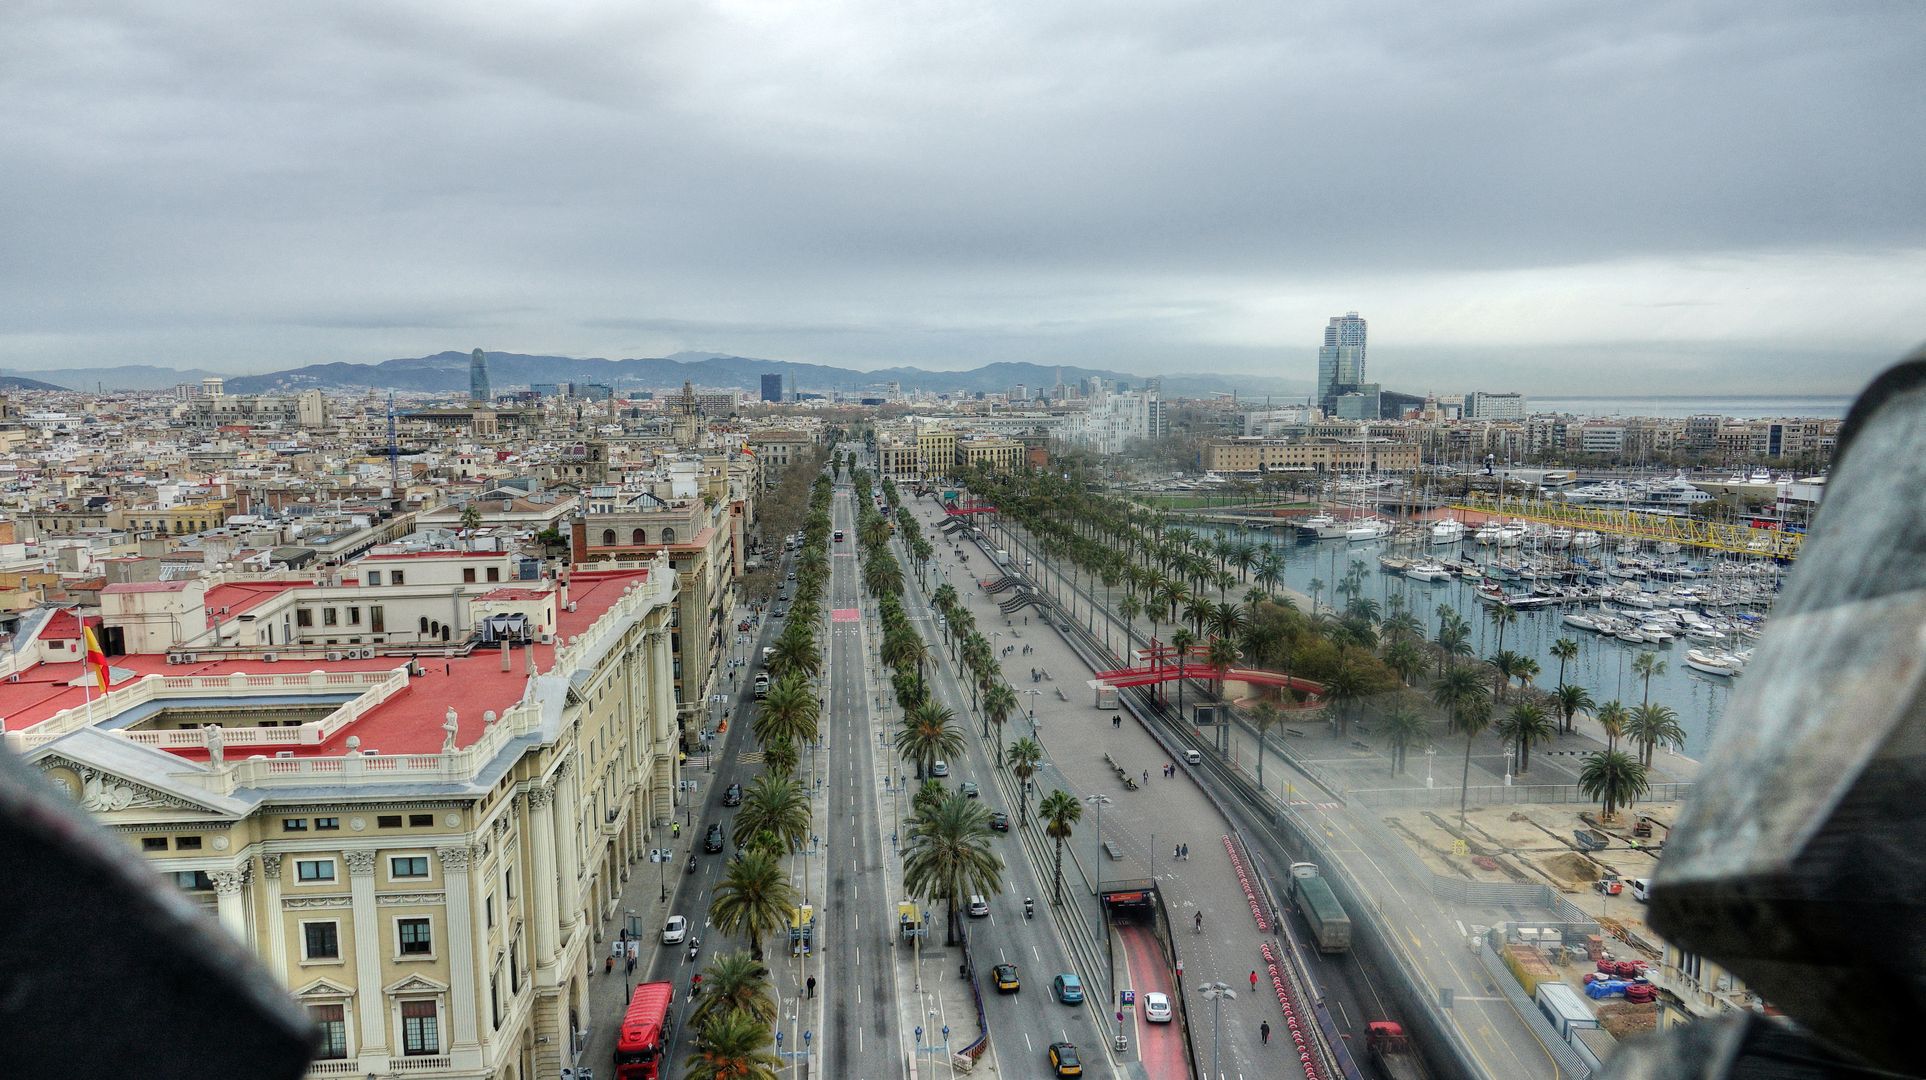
x=270, y=658
x=172, y=659
x=334, y=654
x=284, y=753
x=190, y=658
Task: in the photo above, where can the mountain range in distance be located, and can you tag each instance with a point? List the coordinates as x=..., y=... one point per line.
x=447, y=372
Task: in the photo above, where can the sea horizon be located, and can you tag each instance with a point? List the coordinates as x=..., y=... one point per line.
x=1737, y=406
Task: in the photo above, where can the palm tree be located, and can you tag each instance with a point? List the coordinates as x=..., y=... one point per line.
x=795, y=652
x=1501, y=616
x=1059, y=811
x=1222, y=656
x=1505, y=665
x=1652, y=725
x=735, y=982
x=1265, y=717
x=781, y=756
x=1129, y=608
x=1023, y=756
x=1525, y=724
x=1401, y=625
x=776, y=804
x=1612, y=717
x=753, y=898
x=790, y=710
x=999, y=701
x=1525, y=670
x=1645, y=665
x=1565, y=649
x=1458, y=691
x=733, y=1046
x=1614, y=778
x=1570, y=698
x=1473, y=717
x=1344, y=688
x=1454, y=641
x=1404, y=658
x=928, y=733
x=1403, y=727
x=1181, y=641
x=1317, y=589
x=949, y=855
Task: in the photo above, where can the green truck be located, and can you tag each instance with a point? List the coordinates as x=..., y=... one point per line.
x=1330, y=926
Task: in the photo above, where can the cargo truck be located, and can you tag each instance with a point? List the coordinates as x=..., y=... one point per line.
x=1396, y=1058
x=1330, y=926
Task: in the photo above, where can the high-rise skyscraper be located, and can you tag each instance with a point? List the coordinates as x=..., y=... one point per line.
x=478, y=378
x=1340, y=362
x=772, y=388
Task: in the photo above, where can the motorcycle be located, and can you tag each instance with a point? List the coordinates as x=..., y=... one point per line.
x=1029, y=907
x=695, y=946
x=692, y=863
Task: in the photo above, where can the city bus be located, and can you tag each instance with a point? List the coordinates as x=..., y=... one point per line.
x=638, y=1048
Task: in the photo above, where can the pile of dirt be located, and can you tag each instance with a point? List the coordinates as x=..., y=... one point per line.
x=1625, y=1019
x=1571, y=866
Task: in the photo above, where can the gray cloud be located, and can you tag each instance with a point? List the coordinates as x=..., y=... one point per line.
x=1142, y=186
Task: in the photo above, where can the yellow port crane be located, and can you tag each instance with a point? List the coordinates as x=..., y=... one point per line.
x=1681, y=529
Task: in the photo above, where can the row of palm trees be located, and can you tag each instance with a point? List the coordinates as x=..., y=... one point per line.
x=734, y=1019
x=1354, y=648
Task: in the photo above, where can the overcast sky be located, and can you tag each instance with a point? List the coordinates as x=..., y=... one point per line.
x=1553, y=197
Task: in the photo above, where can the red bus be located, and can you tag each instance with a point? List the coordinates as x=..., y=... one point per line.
x=638, y=1049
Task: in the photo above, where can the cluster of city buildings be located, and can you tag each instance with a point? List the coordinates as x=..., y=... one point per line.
x=399, y=692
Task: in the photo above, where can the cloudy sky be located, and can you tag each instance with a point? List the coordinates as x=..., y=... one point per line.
x=1555, y=197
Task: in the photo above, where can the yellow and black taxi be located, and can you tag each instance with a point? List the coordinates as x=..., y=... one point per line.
x=1006, y=979
x=1064, y=1060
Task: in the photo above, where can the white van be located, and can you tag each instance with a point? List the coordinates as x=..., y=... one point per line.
x=1193, y=757
x=1641, y=889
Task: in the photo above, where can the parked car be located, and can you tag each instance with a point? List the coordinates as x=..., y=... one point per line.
x=712, y=843
x=1006, y=979
x=675, y=930
x=1068, y=988
x=1064, y=1060
x=732, y=796
x=940, y=768
x=999, y=821
x=1157, y=1008
x=979, y=907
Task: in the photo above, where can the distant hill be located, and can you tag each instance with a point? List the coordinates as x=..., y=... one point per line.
x=16, y=382
x=448, y=372
x=125, y=377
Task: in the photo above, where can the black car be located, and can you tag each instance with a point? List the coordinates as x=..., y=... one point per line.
x=999, y=821
x=732, y=796
x=712, y=843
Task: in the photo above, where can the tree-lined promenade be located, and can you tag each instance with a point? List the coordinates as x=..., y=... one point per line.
x=1417, y=686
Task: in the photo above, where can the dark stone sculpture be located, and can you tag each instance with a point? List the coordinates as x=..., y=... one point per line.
x=1800, y=861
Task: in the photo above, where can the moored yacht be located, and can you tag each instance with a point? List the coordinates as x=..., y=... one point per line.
x=1447, y=531
x=1427, y=570
x=1322, y=527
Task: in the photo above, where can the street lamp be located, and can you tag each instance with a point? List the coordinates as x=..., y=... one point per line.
x=1509, y=751
x=1216, y=992
x=1430, y=755
x=1034, y=695
x=1096, y=872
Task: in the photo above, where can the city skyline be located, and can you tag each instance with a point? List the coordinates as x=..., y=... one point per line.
x=1571, y=200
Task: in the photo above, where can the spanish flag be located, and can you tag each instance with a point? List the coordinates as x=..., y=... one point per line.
x=96, y=660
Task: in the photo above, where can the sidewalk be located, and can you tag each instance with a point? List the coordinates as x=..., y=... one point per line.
x=1146, y=825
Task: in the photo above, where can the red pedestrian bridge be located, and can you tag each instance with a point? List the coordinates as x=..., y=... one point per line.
x=1162, y=663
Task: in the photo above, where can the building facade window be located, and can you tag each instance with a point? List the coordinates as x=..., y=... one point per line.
x=639, y=537
x=468, y=575
x=668, y=536
x=324, y=824
x=321, y=940
x=608, y=537
x=330, y=617
x=374, y=577
x=314, y=870
x=408, y=866
x=420, y=1028
x=396, y=577
x=414, y=937
x=332, y=1022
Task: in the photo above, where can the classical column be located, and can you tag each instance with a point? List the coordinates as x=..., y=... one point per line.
x=568, y=811
x=370, y=944
x=461, y=943
x=275, y=927
x=230, y=900
x=541, y=878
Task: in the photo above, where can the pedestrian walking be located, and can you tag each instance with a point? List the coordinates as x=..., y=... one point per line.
x=812, y=986
x=1264, y=1029
x=1253, y=982
x=1146, y=777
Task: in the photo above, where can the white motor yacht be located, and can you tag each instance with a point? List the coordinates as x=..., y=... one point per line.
x=1488, y=533
x=1586, y=539
x=1583, y=622
x=1713, y=663
x=1447, y=531
x=1426, y=570
x=1322, y=527
x=1365, y=529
